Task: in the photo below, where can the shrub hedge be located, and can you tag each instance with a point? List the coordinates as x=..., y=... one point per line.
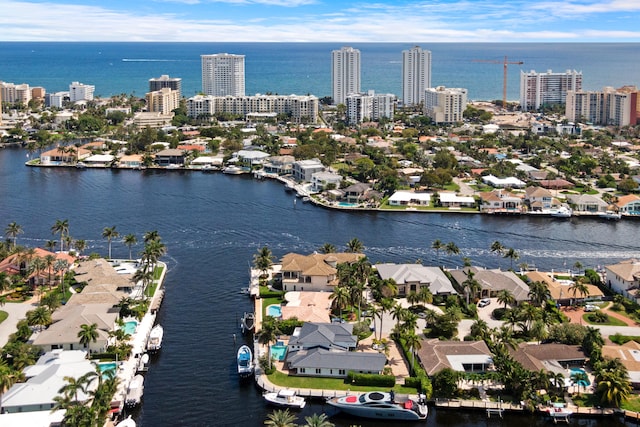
x=371, y=379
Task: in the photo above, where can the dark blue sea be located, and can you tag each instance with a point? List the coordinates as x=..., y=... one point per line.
x=305, y=68
x=213, y=224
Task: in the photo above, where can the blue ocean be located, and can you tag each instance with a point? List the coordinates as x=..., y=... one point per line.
x=305, y=68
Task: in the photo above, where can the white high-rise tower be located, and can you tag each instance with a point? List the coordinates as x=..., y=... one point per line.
x=223, y=74
x=345, y=75
x=416, y=75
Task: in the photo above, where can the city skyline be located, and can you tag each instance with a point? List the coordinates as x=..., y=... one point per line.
x=321, y=20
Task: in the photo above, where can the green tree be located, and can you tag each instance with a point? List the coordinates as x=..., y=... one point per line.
x=12, y=231
x=316, y=420
x=61, y=227
x=340, y=297
x=88, y=334
x=445, y=383
x=327, y=248
x=437, y=245
x=355, y=246
x=513, y=255
x=130, y=240
x=613, y=385
x=505, y=296
x=263, y=260
x=280, y=418
x=39, y=316
x=110, y=233
x=268, y=334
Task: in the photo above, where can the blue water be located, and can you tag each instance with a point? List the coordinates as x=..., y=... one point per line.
x=274, y=310
x=303, y=68
x=278, y=352
x=130, y=327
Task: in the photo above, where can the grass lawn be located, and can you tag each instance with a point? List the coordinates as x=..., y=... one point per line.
x=151, y=289
x=612, y=321
x=3, y=316
x=632, y=404
x=283, y=380
x=266, y=302
x=585, y=400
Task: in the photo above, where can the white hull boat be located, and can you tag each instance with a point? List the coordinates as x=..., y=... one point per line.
x=135, y=391
x=127, y=422
x=611, y=215
x=143, y=363
x=558, y=411
x=562, y=212
x=382, y=406
x=232, y=170
x=248, y=322
x=245, y=362
x=285, y=399
x=154, y=343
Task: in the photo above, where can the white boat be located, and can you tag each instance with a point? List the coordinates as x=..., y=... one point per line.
x=290, y=186
x=127, y=422
x=248, y=322
x=154, y=343
x=562, y=212
x=285, y=398
x=135, y=391
x=81, y=165
x=558, y=411
x=208, y=168
x=142, y=363
x=245, y=362
x=612, y=215
x=232, y=170
x=381, y=405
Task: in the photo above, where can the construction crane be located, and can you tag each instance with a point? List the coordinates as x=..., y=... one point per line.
x=504, y=83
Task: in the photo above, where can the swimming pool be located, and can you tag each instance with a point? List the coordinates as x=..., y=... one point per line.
x=583, y=383
x=105, y=367
x=347, y=205
x=274, y=310
x=129, y=327
x=278, y=352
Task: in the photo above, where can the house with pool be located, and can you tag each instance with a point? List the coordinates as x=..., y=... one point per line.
x=315, y=272
x=328, y=350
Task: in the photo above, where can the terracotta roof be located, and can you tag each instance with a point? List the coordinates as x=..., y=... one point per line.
x=625, y=200
x=316, y=264
x=555, y=288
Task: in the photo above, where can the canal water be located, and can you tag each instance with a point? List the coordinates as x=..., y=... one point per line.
x=213, y=224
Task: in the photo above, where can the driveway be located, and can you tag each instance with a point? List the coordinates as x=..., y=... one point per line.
x=17, y=311
x=484, y=313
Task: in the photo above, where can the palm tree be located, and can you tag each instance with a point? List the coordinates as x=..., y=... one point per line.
x=280, y=418
x=355, y=246
x=110, y=233
x=386, y=304
x=512, y=254
x=340, y=297
x=414, y=343
x=88, y=334
x=579, y=287
x=61, y=227
x=452, y=249
x=327, y=248
x=150, y=236
x=49, y=261
x=497, y=247
x=12, y=231
x=130, y=240
x=437, y=245
x=413, y=298
x=268, y=333
x=505, y=296
x=142, y=275
x=263, y=260
x=471, y=286
x=316, y=420
x=60, y=267
x=39, y=316
x=425, y=295
x=80, y=245
x=613, y=386
x=479, y=330
x=51, y=245
x=539, y=293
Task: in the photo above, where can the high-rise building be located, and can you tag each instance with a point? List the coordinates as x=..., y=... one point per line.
x=223, y=74
x=541, y=89
x=369, y=106
x=416, y=75
x=163, y=101
x=616, y=107
x=173, y=83
x=445, y=105
x=345, y=74
x=13, y=93
x=80, y=92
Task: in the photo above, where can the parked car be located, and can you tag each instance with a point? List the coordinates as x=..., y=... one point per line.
x=591, y=307
x=484, y=302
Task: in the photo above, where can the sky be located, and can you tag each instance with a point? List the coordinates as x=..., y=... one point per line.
x=321, y=20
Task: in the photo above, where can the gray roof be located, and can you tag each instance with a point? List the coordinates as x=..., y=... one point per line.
x=327, y=335
x=415, y=273
x=348, y=360
x=586, y=199
x=494, y=281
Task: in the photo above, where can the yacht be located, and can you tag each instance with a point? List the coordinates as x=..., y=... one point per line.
x=154, y=343
x=135, y=391
x=562, y=212
x=612, y=215
x=381, y=405
x=285, y=398
x=245, y=362
x=232, y=170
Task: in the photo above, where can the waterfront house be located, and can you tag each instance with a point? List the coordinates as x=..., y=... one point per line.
x=251, y=158
x=103, y=284
x=356, y=193
x=556, y=184
x=170, y=156
x=551, y=357
x=99, y=160
x=67, y=321
x=20, y=263
x=321, y=180
x=315, y=272
x=319, y=362
x=452, y=200
x=559, y=289
x=461, y=356
x=500, y=201
x=587, y=203
x=131, y=161
x=413, y=277
x=492, y=281
x=409, y=198
x=624, y=277
x=63, y=155
x=539, y=199
x=328, y=336
x=44, y=381
x=280, y=165
x=303, y=170
x=629, y=204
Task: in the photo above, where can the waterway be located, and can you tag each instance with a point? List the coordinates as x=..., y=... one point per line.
x=213, y=224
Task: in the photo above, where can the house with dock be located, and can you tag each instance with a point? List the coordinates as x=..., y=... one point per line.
x=315, y=272
x=413, y=277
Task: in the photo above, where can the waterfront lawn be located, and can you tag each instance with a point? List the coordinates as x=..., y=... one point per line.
x=266, y=302
x=284, y=380
x=3, y=316
x=151, y=289
x=631, y=404
x=585, y=400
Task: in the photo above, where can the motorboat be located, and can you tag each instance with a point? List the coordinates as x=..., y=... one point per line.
x=135, y=392
x=143, y=363
x=81, y=165
x=562, y=212
x=381, y=405
x=611, y=215
x=248, y=322
x=285, y=398
x=232, y=170
x=154, y=343
x=558, y=411
x=208, y=169
x=245, y=362
x=127, y=422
